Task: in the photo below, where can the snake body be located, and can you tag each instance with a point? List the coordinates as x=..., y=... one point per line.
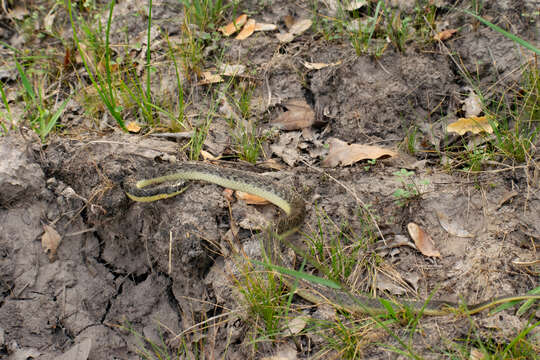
x=293, y=206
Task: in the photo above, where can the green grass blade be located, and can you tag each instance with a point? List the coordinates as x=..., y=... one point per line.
x=301, y=275
x=505, y=33
x=107, y=49
x=5, y=101
x=25, y=82
x=523, y=308
x=148, y=97
x=108, y=100
x=52, y=122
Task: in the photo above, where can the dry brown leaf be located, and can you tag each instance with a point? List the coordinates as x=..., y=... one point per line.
x=342, y=153
x=444, y=35
x=285, y=37
x=247, y=30
x=423, y=241
x=474, y=124
x=251, y=199
x=452, y=227
x=296, y=325
x=48, y=21
x=318, y=66
x=232, y=69
x=209, y=78
x=207, y=156
x=271, y=164
x=50, y=240
x=506, y=197
x=476, y=354
x=386, y=284
x=19, y=12
x=265, y=27
x=472, y=105
x=229, y=195
x=133, y=127
x=299, y=116
x=300, y=26
x=234, y=26
x=355, y=5
x=289, y=21
x=287, y=147
x=296, y=27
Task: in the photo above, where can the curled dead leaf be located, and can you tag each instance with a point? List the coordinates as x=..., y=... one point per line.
x=452, y=227
x=300, y=26
x=208, y=156
x=296, y=27
x=472, y=105
x=50, y=240
x=209, y=78
x=476, y=354
x=285, y=37
x=265, y=27
x=289, y=21
x=423, y=241
x=232, y=69
x=133, y=127
x=354, y=5
x=247, y=30
x=19, y=12
x=342, y=153
x=299, y=116
x=271, y=164
x=296, y=325
x=228, y=194
x=251, y=199
x=234, y=26
x=318, y=66
x=474, y=124
x=507, y=196
x=444, y=35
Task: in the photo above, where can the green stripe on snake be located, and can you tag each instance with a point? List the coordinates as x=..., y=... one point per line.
x=294, y=209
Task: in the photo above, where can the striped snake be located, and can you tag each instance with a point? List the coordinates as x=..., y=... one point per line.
x=293, y=207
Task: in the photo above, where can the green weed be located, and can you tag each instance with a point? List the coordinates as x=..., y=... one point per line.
x=263, y=292
x=103, y=84
x=409, y=189
x=204, y=13
x=42, y=119
x=7, y=120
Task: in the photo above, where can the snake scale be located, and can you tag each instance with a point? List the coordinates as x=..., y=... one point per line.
x=293, y=206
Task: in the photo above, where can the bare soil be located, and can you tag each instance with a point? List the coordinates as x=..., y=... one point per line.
x=162, y=268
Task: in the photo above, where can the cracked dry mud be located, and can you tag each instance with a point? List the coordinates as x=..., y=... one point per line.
x=162, y=268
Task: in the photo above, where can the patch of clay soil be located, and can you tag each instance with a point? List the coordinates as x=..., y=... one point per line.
x=126, y=270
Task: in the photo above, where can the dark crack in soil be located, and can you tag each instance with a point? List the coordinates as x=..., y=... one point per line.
x=169, y=270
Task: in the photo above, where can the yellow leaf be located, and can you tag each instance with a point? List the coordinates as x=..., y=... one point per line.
x=209, y=78
x=251, y=199
x=474, y=124
x=234, y=26
x=133, y=127
x=443, y=35
x=248, y=29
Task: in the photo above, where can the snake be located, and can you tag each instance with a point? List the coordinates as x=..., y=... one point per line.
x=293, y=206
